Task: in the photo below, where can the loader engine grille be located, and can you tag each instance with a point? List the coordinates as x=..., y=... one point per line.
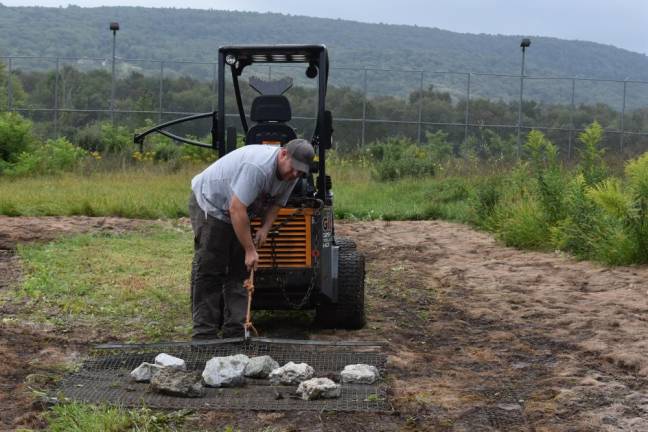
x=292, y=246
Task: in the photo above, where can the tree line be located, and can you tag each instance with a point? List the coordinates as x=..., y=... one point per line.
x=91, y=90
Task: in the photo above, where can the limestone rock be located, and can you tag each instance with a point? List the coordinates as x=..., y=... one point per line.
x=291, y=373
x=144, y=372
x=166, y=360
x=225, y=371
x=260, y=367
x=359, y=374
x=176, y=382
x=318, y=388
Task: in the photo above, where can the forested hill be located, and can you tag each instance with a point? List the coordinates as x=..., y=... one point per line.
x=189, y=34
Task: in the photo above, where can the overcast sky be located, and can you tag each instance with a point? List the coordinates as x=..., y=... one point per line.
x=622, y=23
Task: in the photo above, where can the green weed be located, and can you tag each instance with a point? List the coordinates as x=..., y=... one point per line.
x=78, y=417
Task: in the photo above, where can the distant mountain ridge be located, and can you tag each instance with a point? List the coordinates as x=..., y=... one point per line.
x=190, y=34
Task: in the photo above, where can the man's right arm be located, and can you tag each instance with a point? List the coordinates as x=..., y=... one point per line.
x=241, y=225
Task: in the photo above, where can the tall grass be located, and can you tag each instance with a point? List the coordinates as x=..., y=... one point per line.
x=151, y=192
x=536, y=203
x=140, y=192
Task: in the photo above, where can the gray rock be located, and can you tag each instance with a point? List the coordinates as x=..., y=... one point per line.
x=144, y=372
x=318, y=388
x=260, y=367
x=225, y=371
x=291, y=374
x=175, y=382
x=166, y=360
x=359, y=374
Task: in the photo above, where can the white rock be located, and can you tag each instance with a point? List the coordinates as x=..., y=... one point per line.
x=225, y=371
x=291, y=373
x=144, y=372
x=318, y=388
x=166, y=360
x=260, y=367
x=359, y=374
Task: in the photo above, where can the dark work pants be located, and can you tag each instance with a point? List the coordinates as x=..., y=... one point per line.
x=217, y=275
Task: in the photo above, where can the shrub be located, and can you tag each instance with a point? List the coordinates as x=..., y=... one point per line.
x=592, y=164
x=15, y=136
x=166, y=151
x=487, y=197
x=197, y=154
x=90, y=137
x=52, y=157
x=543, y=158
x=400, y=157
x=489, y=145
x=438, y=146
x=629, y=205
x=582, y=226
x=616, y=246
x=522, y=225
x=116, y=140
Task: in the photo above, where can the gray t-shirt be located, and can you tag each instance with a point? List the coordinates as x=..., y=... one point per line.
x=250, y=173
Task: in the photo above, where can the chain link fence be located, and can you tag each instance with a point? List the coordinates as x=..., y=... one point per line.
x=66, y=93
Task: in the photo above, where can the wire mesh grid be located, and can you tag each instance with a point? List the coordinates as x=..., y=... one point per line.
x=105, y=377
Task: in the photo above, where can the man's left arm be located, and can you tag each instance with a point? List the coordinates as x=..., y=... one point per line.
x=268, y=220
x=271, y=215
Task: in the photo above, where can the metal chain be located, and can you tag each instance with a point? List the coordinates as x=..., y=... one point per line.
x=278, y=278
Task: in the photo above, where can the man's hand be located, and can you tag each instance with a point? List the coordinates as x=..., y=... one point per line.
x=251, y=259
x=260, y=236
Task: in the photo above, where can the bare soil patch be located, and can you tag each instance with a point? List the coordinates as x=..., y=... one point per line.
x=480, y=337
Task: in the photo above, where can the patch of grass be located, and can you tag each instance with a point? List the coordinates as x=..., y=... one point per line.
x=139, y=192
x=135, y=285
x=78, y=417
x=406, y=199
x=373, y=397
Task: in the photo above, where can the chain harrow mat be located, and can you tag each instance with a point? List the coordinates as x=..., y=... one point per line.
x=105, y=376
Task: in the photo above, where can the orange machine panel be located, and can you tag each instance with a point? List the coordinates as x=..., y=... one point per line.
x=292, y=247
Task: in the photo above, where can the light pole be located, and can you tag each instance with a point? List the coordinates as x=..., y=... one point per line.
x=524, y=45
x=114, y=26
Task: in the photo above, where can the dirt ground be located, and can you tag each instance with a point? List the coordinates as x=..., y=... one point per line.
x=480, y=337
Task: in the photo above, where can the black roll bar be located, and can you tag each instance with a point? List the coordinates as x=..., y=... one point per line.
x=139, y=138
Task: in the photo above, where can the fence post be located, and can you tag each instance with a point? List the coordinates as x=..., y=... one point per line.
x=623, y=107
x=420, y=109
x=10, y=87
x=364, y=108
x=214, y=83
x=56, y=108
x=112, y=89
x=519, y=122
x=571, y=118
x=161, y=91
x=467, y=114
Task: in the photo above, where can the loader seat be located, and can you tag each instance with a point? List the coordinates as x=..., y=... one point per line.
x=271, y=113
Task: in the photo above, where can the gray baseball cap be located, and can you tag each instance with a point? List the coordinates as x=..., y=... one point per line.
x=301, y=154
